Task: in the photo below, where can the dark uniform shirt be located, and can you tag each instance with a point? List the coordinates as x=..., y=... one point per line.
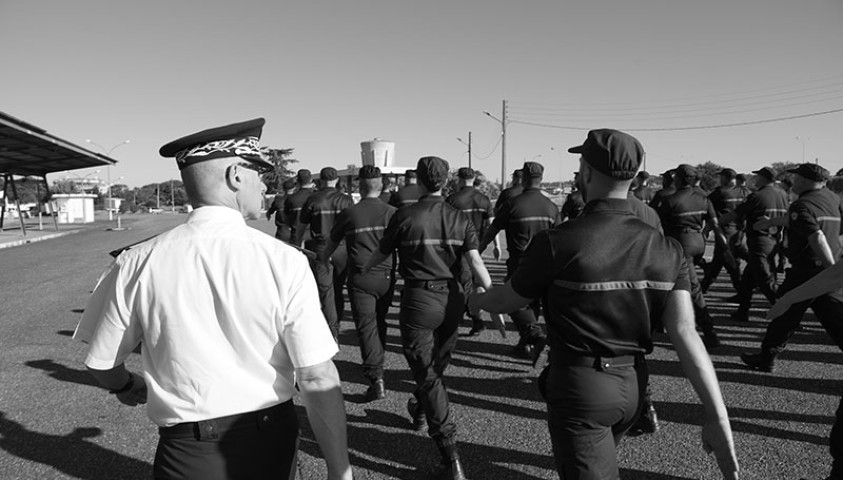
x=768, y=201
x=292, y=211
x=725, y=199
x=598, y=301
x=277, y=208
x=406, y=196
x=643, y=193
x=573, y=206
x=321, y=210
x=683, y=216
x=473, y=203
x=385, y=196
x=362, y=227
x=644, y=212
x=523, y=217
x=659, y=197
x=506, y=195
x=431, y=237
x=813, y=211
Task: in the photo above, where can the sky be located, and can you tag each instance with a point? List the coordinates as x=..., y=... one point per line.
x=329, y=75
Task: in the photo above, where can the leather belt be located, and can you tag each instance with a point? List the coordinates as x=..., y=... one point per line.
x=429, y=284
x=596, y=362
x=215, y=428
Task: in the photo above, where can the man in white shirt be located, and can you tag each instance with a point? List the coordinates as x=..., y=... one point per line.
x=225, y=317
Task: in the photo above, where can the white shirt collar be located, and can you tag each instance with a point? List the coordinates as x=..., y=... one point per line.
x=213, y=212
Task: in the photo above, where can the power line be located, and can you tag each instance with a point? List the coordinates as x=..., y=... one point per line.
x=490, y=152
x=698, y=127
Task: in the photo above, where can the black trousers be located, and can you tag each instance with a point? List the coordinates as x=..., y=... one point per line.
x=429, y=319
x=525, y=319
x=758, y=273
x=590, y=409
x=371, y=296
x=255, y=446
x=330, y=279
x=724, y=256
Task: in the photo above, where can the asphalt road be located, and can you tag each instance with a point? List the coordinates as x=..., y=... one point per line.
x=56, y=424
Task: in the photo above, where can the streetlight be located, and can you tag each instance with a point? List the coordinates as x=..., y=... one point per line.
x=108, y=169
x=804, y=141
x=469, y=147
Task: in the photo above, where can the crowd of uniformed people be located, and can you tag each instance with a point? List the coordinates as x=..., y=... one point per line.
x=616, y=262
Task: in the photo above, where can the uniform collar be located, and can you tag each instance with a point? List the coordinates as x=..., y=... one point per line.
x=213, y=212
x=607, y=205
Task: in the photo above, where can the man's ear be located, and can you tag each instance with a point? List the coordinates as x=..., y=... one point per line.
x=233, y=177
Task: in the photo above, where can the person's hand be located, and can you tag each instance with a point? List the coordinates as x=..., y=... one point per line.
x=268, y=215
x=496, y=252
x=136, y=395
x=762, y=224
x=717, y=438
x=473, y=305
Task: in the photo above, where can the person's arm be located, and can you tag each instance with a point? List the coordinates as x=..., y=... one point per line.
x=376, y=258
x=325, y=256
x=321, y=393
x=500, y=299
x=821, y=249
x=678, y=319
x=765, y=222
x=478, y=268
x=826, y=281
x=128, y=387
x=490, y=235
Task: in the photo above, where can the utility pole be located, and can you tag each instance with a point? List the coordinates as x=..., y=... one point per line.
x=469, y=149
x=172, y=197
x=503, y=146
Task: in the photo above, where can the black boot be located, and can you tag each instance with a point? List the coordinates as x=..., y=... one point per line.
x=449, y=469
x=416, y=414
x=762, y=361
x=477, y=326
x=376, y=391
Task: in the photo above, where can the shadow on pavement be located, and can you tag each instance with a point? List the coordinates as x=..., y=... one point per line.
x=62, y=373
x=71, y=454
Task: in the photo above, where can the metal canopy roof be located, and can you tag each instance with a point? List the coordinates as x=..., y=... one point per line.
x=29, y=150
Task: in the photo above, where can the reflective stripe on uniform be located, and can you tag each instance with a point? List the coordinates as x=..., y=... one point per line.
x=532, y=219
x=617, y=285
x=431, y=241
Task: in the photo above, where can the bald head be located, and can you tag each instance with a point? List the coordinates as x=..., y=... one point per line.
x=224, y=182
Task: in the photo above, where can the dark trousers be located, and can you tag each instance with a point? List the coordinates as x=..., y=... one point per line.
x=254, y=446
x=282, y=232
x=828, y=309
x=525, y=319
x=330, y=279
x=723, y=257
x=429, y=320
x=589, y=411
x=371, y=296
x=759, y=270
x=701, y=315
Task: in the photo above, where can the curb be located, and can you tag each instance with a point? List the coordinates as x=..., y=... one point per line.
x=25, y=240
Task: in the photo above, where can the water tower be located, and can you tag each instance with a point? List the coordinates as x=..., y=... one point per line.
x=377, y=152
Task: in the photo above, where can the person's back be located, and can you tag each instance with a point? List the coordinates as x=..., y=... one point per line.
x=474, y=204
x=511, y=192
x=321, y=210
x=294, y=204
x=408, y=194
x=683, y=215
x=524, y=216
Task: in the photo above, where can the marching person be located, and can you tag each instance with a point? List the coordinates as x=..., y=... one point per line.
x=320, y=212
x=522, y=217
x=574, y=204
x=225, y=320
x=515, y=188
x=600, y=307
x=361, y=226
x=431, y=237
x=642, y=189
x=725, y=198
x=409, y=193
x=769, y=201
x=282, y=223
x=478, y=208
x=685, y=215
x=813, y=229
x=293, y=205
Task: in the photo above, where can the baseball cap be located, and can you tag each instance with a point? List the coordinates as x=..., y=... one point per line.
x=328, y=174
x=304, y=176
x=466, y=172
x=432, y=172
x=728, y=173
x=765, y=172
x=611, y=152
x=687, y=172
x=369, y=171
x=532, y=170
x=811, y=171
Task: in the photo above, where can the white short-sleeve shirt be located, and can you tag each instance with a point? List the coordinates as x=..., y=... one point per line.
x=224, y=313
